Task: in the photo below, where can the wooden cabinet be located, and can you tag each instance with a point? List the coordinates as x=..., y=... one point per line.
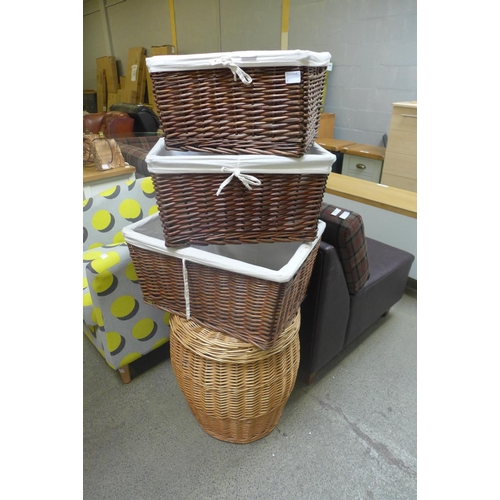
x=363, y=161
x=335, y=146
x=326, y=125
x=400, y=165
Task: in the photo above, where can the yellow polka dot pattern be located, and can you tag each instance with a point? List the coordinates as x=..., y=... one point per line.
x=103, y=221
x=130, y=272
x=131, y=210
x=97, y=317
x=118, y=238
x=116, y=320
x=160, y=342
x=105, y=283
x=87, y=299
x=111, y=192
x=105, y=261
x=144, y=329
x=124, y=307
x=115, y=342
x=166, y=318
x=95, y=245
x=90, y=256
x=147, y=186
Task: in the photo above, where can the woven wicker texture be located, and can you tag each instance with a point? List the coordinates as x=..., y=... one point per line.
x=208, y=111
x=251, y=309
x=236, y=391
x=285, y=207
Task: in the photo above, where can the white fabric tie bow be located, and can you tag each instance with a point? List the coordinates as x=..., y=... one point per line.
x=247, y=180
x=244, y=77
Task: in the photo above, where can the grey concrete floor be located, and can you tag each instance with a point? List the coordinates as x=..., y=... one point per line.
x=352, y=434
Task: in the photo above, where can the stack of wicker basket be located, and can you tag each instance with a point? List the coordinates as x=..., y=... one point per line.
x=239, y=183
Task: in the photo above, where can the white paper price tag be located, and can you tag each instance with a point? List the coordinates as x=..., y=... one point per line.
x=336, y=211
x=292, y=77
x=105, y=166
x=345, y=215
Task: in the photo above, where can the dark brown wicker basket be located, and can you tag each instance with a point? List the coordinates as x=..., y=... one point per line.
x=206, y=110
x=285, y=207
x=251, y=309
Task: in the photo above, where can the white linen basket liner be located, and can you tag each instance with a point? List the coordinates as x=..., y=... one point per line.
x=276, y=262
x=244, y=59
x=317, y=160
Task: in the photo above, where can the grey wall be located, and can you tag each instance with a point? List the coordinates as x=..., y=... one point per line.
x=373, y=45
x=197, y=26
x=131, y=23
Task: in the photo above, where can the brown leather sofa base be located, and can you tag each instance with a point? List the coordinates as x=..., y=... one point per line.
x=331, y=317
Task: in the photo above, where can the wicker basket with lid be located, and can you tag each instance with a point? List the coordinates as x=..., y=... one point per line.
x=248, y=102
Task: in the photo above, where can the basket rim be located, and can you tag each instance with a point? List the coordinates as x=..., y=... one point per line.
x=205, y=258
x=316, y=160
x=244, y=59
x=196, y=338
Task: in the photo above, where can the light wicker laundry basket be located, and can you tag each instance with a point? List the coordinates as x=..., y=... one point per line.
x=235, y=390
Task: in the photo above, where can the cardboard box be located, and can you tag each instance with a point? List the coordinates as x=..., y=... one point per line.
x=121, y=90
x=113, y=98
x=157, y=50
x=108, y=65
x=326, y=125
x=136, y=75
x=101, y=91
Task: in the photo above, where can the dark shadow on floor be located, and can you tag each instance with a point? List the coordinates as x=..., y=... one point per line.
x=149, y=360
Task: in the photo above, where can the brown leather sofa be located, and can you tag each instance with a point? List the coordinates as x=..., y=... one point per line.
x=145, y=119
x=135, y=128
x=355, y=281
x=111, y=124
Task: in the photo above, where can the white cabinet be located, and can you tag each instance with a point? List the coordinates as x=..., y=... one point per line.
x=94, y=181
x=363, y=162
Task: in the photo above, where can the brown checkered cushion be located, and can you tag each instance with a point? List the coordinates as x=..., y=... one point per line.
x=348, y=237
x=135, y=150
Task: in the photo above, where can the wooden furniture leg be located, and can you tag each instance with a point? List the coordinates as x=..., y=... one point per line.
x=124, y=372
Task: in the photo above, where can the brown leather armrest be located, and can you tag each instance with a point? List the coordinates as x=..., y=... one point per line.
x=116, y=123
x=92, y=122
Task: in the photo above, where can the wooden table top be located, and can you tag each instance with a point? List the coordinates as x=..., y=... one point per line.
x=333, y=144
x=365, y=150
x=406, y=104
x=91, y=174
x=389, y=198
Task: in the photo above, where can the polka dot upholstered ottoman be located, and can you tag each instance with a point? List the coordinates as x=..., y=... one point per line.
x=115, y=317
